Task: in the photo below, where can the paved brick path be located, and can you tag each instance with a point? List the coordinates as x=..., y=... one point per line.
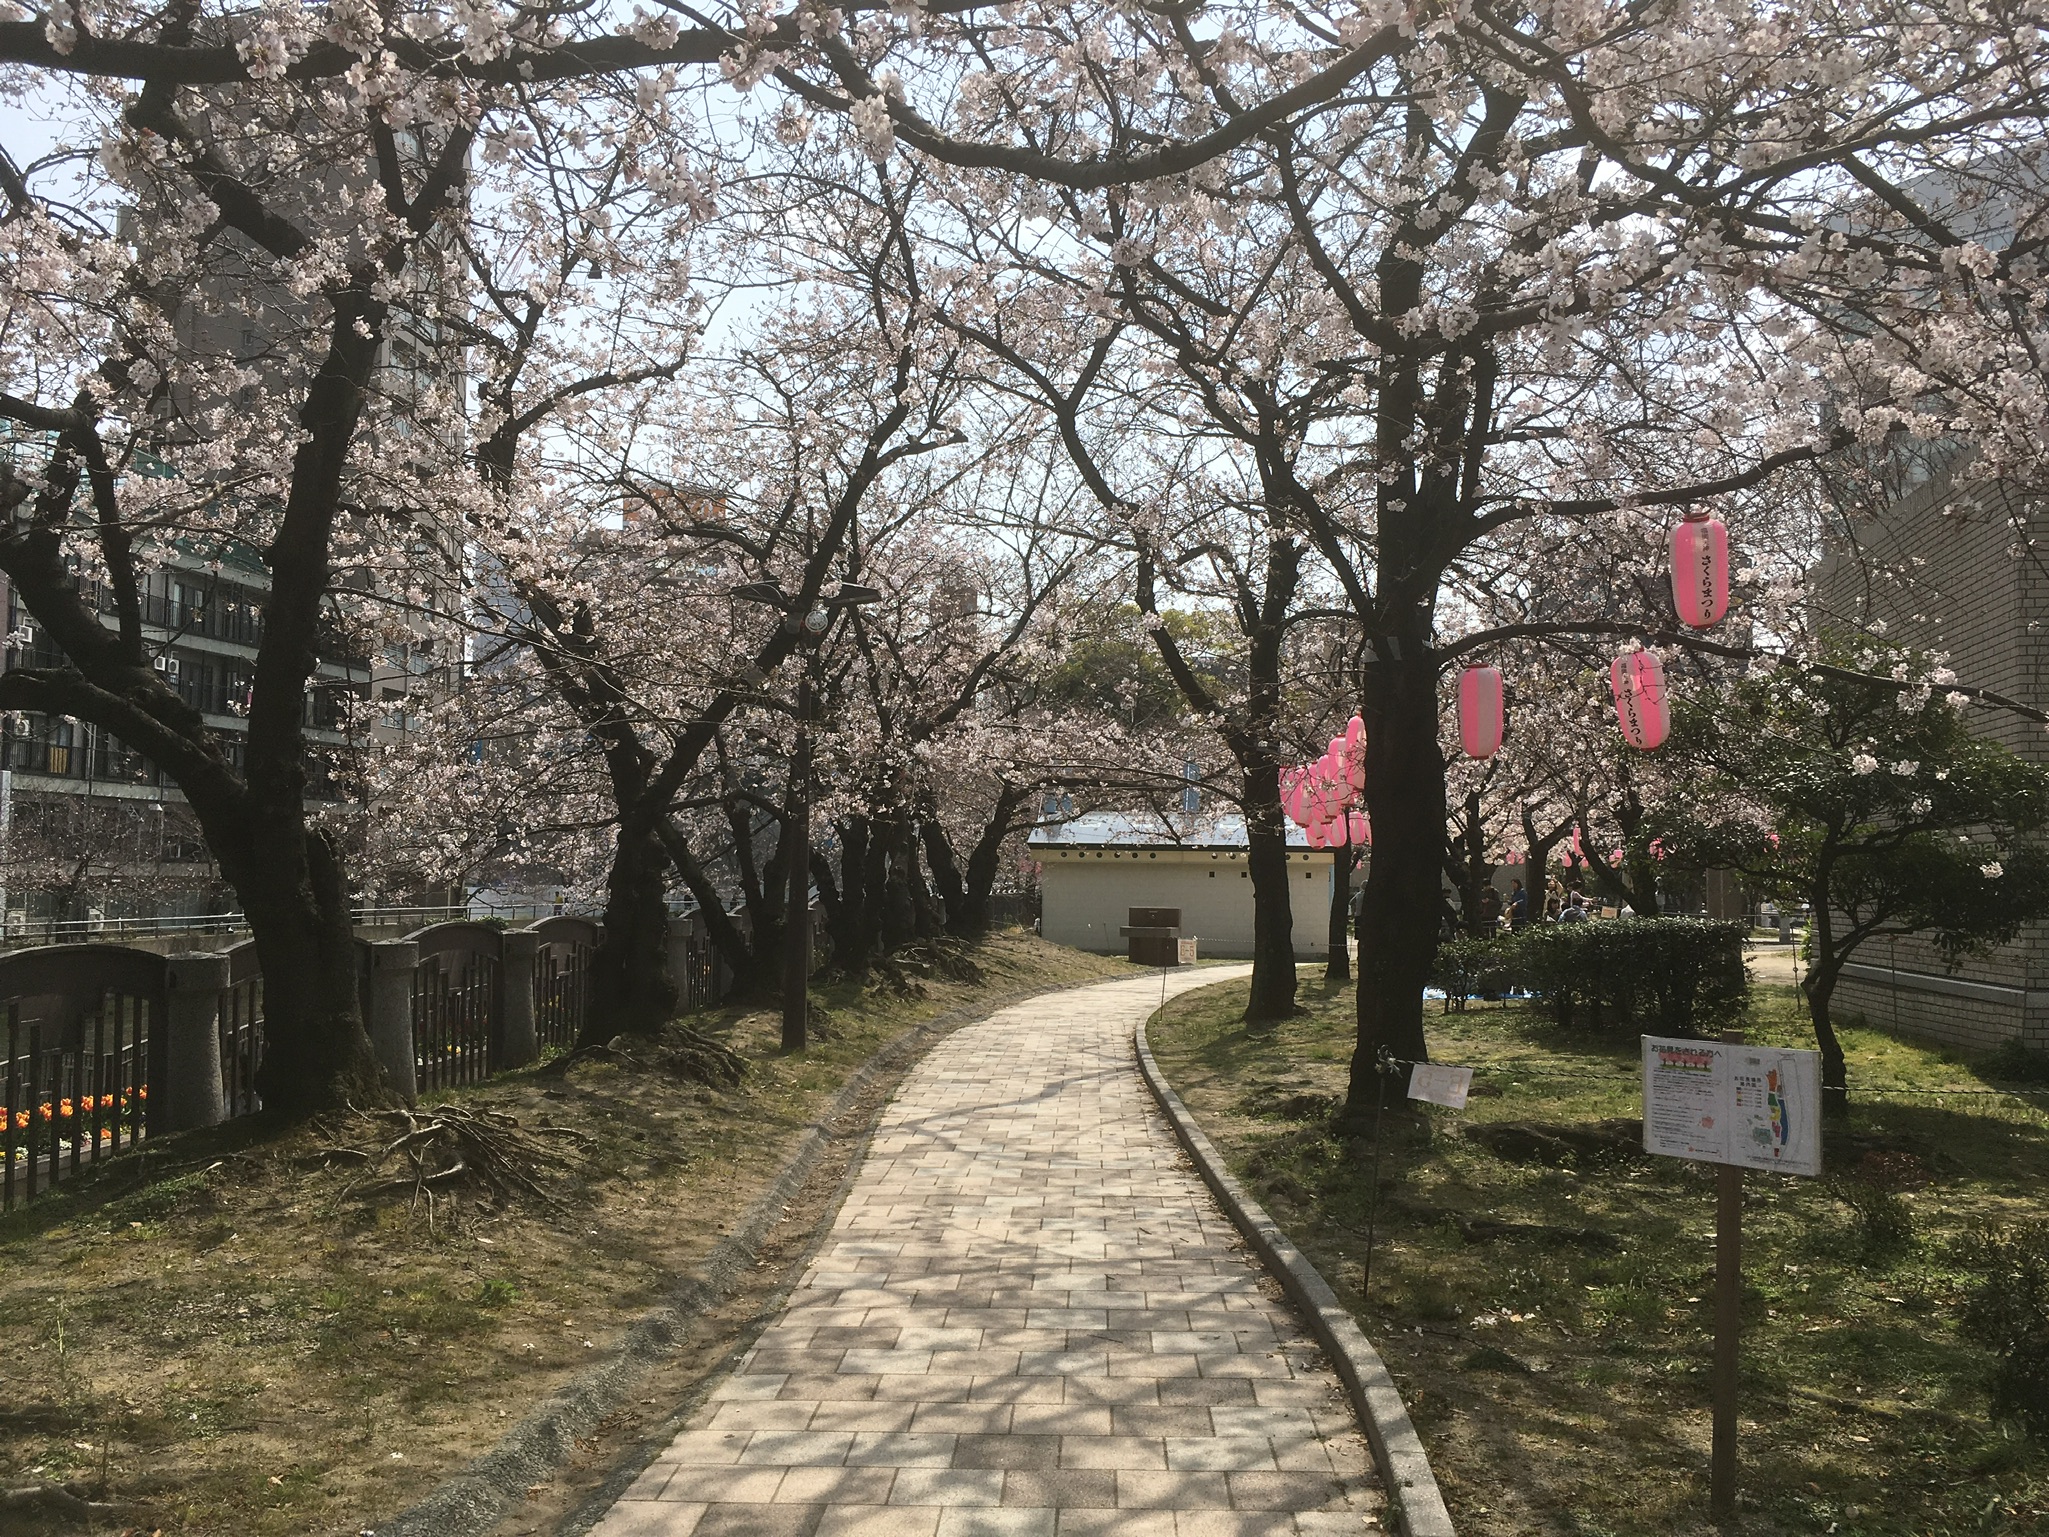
x=1029, y=1318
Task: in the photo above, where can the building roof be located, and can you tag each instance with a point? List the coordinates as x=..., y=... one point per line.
x=1144, y=830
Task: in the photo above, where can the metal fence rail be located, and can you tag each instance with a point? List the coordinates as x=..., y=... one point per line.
x=83, y=1037
x=91, y=1031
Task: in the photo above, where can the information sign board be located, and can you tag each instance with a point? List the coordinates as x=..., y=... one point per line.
x=1755, y=1107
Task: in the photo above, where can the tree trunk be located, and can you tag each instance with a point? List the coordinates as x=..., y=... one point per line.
x=946, y=875
x=316, y=1053
x=966, y=892
x=850, y=920
x=1398, y=912
x=768, y=911
x=1342, y=862
x=726, y=936
x=1475, y=876
x=928, y=916
x=985, y=859
x=1824, y=967
x=898, y=906
x=633, y=993
x=1272, y=996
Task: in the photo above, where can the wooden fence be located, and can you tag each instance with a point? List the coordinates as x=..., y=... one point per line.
x=89, y=1031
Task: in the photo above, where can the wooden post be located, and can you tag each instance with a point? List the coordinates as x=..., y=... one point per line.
x=1728, y=1328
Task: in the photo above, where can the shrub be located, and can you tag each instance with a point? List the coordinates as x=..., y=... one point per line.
x=1881, y=1221
x=2017, y=1062
x=1670, y=976
x=2006, y=1309
x=1474, y=966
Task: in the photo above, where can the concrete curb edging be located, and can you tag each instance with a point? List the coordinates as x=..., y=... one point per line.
x=477, y=1498
x=1404, y=1466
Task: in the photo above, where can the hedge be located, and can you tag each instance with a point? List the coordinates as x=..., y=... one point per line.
x=1668, y=976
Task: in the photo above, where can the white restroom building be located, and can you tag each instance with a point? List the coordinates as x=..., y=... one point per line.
x=1093, y=869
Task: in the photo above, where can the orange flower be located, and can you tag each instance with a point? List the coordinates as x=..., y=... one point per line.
x=65, y=1111
x=106, y=1102
x=49, y=1111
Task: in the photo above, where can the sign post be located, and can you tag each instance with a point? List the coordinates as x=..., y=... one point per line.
x=1728, y=1328
x=1738, y=1107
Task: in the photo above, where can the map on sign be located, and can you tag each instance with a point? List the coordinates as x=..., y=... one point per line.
x=1758, y=1107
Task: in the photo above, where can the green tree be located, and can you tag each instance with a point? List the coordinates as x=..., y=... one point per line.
x=1860, y=787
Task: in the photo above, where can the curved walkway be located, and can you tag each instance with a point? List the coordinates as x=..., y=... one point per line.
x=1029, y=1319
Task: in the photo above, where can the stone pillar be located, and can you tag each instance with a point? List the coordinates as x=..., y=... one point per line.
x=519, y=1039
x=194, y=1096
x=392, y=965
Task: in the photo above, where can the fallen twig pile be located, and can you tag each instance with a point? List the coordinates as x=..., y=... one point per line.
x=448, y=1149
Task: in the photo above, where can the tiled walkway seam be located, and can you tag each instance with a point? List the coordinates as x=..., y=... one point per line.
x=1030, y=1318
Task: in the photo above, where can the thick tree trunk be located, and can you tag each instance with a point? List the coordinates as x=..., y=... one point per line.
x=946, y=874
x=1475, y=875
x=768, y=910
x=316, y=1053
x=890, y=874
x=1272, y=996
x=966, y=891
x=850, y=919
x=928, y=915
x=1398, y=911
x=1342, y=863
x=633, y=993
x=986, y=859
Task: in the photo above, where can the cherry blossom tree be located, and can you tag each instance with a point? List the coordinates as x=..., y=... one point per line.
x=1581, y=270
x=1880, y=808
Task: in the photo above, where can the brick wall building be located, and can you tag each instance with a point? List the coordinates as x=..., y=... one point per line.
x=1947, y=568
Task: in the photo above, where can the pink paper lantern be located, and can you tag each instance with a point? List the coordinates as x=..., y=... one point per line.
x=1355, y=753
x=1359, y=829
x=1638, y=681
x=1479, y=711
x=1339, y=758
x=1313, y=833
x=1295, y=794
x=1700, y=570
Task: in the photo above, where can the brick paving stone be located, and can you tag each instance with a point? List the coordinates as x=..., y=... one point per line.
x=1028, y=1320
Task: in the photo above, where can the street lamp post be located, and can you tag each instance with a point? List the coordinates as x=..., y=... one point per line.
x=810, y=626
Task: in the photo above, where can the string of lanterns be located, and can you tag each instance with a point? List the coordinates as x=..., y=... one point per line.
x=1700, y=592
x=1322, y=798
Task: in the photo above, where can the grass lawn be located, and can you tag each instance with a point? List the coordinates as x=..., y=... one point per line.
x=216, y=1332
x=1560, y=1378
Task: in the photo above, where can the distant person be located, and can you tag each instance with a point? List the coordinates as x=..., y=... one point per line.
x=1518, y=905
x=1575, y=910
x=1490, y=910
